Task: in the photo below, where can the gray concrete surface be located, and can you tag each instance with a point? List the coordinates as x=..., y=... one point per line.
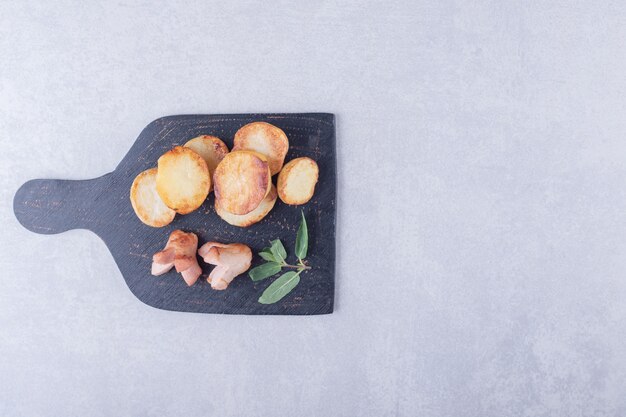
x=481, y=224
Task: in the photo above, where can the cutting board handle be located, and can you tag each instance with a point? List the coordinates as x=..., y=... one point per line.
x=55, y=206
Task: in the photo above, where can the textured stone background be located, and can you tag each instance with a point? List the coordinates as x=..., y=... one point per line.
x=481, y=224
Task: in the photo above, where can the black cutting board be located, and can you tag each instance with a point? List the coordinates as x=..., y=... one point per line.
x=102, y=205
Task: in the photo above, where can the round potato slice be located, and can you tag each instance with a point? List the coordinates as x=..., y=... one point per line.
x=242, y=180
x=296, y=182
x=210, y=148
x=265, y=139
x=183, y=179
x=254, y=216
x=146, y=202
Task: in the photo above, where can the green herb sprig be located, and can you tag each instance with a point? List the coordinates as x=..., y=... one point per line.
x=276, y=257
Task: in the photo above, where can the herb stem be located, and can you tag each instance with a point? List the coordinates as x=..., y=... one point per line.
x=301, y=266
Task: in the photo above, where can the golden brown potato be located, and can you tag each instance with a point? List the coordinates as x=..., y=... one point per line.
x=210, y=148
x=265, y=139
x=183, y=180
x=254, y=216
x=296, y=181
x=242, y=180
x=146, y=202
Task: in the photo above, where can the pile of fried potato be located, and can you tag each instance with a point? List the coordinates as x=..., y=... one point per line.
x=241, y=178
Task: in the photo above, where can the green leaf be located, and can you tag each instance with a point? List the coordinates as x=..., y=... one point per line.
x=267, y=256
x=302, y=239
x=280, y=288
x=278, y=250
x=264, y=271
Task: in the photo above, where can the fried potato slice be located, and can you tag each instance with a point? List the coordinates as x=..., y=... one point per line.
x=211, y=149
x=265, y=139
x=296, y=181
x=242, y=180
x=146, y=202
x=183, y=179
x=254, y=216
